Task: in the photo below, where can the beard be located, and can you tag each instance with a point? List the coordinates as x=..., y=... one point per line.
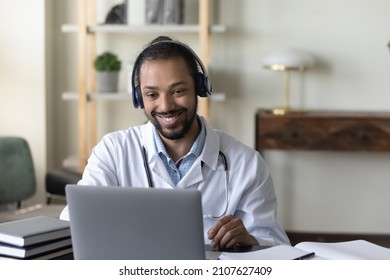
x=181, y=129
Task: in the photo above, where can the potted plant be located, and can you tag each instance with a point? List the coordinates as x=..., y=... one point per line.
x=107, y=66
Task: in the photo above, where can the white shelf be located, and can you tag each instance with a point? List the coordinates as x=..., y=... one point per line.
x=152, y=28
x=98, y=96
x=113, y=96
x=71, y=162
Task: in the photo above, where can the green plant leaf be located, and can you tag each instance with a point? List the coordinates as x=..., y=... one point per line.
x=107, y=61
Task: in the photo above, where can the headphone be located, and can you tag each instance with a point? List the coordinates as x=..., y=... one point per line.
x=203, y=83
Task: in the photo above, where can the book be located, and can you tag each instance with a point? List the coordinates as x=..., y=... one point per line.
x=346, y=250
x=33, y=250
x=279, y=252
x=33, y=230
x=65, y=253
x=60, y=254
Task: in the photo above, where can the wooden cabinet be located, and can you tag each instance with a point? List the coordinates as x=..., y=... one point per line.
x=323, y=130
x=87, y=29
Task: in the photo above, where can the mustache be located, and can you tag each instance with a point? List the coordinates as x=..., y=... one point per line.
x=169, y=113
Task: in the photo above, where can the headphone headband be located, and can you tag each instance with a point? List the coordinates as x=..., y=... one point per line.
x=204, y=85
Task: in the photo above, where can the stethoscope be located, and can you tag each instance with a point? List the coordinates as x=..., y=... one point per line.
x=225, y=164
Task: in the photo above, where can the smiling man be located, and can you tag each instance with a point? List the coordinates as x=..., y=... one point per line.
x=177, y=148
x=170, y=103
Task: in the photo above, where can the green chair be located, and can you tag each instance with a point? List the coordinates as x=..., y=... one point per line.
x=17, y=175
x=18, y=182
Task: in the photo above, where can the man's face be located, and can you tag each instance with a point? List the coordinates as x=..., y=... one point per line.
x=169, y=97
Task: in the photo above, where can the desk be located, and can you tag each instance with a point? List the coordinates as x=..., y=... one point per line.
x=325, y=131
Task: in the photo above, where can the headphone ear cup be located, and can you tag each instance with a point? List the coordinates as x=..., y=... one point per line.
x=203, y=85
x=137, y=98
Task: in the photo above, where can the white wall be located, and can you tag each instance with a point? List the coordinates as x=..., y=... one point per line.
x=317, y=191
x=22, y=78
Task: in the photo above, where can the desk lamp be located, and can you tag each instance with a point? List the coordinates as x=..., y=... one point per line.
x=287, y=60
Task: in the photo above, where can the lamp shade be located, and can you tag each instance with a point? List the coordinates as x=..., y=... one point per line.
x=288, y=59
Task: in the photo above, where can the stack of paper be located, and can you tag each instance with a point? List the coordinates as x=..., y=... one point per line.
x=33, y=237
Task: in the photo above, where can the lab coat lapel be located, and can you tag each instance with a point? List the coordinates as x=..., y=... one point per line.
x=193, y=176
x=211, y=148
x=156, y=166
x=208, y=156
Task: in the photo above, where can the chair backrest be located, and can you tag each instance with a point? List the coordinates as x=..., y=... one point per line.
x=17, y=175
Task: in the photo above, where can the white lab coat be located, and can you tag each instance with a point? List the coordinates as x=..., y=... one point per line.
x=117, y=161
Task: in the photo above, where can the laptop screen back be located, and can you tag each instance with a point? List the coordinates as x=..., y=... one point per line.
x=135, y=223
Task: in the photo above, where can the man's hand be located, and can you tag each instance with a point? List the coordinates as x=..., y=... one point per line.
x=230, y=231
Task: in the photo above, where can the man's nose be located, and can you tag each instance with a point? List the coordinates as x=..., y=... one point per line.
x=166, y=102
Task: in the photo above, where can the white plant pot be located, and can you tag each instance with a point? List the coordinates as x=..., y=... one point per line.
x=107, y=81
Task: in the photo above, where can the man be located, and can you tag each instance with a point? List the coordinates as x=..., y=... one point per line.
x=178, y=149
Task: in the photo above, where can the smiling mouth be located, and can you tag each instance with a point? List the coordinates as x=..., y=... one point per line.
x=169, y=120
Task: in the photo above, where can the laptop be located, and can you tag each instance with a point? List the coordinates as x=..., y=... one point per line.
x=118, y=223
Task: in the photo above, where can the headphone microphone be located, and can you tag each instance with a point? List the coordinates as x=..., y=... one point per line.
x=203, y=82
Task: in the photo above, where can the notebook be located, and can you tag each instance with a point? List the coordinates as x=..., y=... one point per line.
x=116, y=223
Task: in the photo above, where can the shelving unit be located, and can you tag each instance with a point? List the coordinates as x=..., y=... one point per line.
x=86, y=97
x=115, y=28
x=117, y=96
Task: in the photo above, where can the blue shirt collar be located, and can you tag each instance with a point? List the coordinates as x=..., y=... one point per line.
x=196, y=148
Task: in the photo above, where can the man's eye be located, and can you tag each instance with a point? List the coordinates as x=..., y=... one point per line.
x=179, y=91
x=151, y=95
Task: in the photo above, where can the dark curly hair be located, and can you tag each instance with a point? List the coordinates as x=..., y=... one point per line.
x=163, y=47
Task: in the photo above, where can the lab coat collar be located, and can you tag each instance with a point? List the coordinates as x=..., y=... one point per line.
x=211, y=148
x=148, y=142
x=154, y=164
x=209, y=156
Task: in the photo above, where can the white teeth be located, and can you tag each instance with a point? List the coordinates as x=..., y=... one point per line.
x=169, y=119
